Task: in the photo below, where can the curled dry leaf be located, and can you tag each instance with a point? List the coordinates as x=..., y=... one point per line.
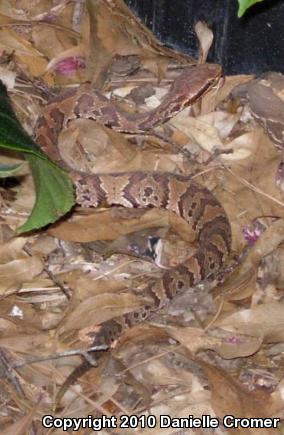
x=210, y=130
x=222, y=120
x=242, y=147
x=205, y=37
x=69, y=61
x=56, y=46
x=202, y=133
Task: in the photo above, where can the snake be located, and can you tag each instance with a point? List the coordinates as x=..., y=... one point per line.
x=169, y=191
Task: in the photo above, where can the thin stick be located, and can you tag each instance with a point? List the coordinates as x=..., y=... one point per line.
x=82, y=352
x=254, y=188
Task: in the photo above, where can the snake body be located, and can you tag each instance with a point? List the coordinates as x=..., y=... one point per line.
x=188, y=199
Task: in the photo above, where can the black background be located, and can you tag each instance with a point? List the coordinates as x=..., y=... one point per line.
x=252, y=44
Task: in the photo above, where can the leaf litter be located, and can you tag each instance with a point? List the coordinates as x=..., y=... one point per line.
x=215, y=351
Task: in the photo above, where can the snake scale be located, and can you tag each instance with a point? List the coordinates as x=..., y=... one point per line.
x=177, y=193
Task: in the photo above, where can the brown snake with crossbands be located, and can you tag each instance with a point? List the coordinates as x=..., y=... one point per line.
x=188, y=199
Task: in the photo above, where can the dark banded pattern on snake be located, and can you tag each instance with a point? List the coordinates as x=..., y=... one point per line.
x=179, y=194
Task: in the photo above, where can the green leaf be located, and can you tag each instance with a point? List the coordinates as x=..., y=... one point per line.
x=54, y=188
x=244, y=5
x=12, y=134
x=9, y=170
x=54, y=194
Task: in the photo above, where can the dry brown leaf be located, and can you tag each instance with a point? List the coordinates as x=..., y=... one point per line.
x=128, y=36
x=205, y=37
x=84, y=286
x=240, y=285
x=107, y=225
x=267, y=242
x=193, y=338
x=229, y=84
x=245, y=190
x=277, y=400
x=27, y=56
x=49, y=42
x=250, y=192
x=266, y=320
x=202, y=133
x=16, y=272
x=24, y=315
x=9, y=14
x=245, y=276
x=238, y=346
x=13, y=249
x=7, y=77
x=103, y=150
x=223, y=121
x=229, y=398
x=227, y=346
x=98, y=309
x=242, y=147
x=57, y=46
x=24, y=343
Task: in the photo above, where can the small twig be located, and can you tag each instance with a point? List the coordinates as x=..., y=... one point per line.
x=40, y=23
x=217, y=152
x=215, y=317
x=252, y=187
x=82, y=352
x=153, y=134
x=65, y=291
x=51, y=276
x=6, y=371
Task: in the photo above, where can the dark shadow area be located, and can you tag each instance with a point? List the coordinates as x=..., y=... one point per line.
x=252, y=44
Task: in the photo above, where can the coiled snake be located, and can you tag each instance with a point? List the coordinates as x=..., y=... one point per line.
x=188, y=199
